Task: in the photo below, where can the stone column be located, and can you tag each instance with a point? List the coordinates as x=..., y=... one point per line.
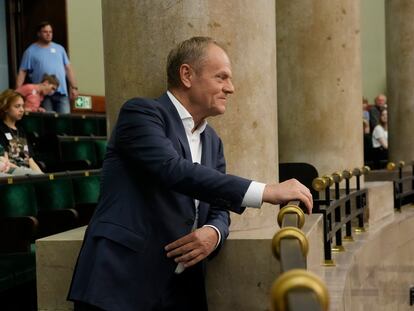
x=137, y=38
x=400, y=78
x=319, y=83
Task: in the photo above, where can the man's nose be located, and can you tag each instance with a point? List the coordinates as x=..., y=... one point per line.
x=229, y=87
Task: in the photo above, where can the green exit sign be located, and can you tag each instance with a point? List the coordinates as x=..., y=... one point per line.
x=83, y=102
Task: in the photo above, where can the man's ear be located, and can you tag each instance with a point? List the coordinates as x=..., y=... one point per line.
x=186, y=74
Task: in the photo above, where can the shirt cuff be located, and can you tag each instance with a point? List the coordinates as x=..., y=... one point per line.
x=254, y=195
x=218, y=232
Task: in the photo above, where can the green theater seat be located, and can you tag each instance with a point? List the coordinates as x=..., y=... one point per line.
x=86, y=185
x=33, y=124
x=100, y=145
x=17, y=198
x=18, y=228
x=78, y=151
x=58, y=124
x=85, y=126
x=55, y=199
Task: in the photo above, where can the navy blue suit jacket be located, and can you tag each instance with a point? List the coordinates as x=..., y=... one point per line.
x=147, y=201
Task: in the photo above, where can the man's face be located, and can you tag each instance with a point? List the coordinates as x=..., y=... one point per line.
x=45, y=34
x=211, y=85
x=380, y=101
x=49, y=88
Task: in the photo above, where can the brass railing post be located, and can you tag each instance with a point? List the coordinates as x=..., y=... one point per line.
x=337, y=178
x=320, y=184
x=291, y=247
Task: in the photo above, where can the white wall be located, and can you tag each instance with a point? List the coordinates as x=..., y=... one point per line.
x=373, y=48
x=85, y=45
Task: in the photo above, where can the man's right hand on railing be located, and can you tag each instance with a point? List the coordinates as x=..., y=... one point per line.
x=279, y=193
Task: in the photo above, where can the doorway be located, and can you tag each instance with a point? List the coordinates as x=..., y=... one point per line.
x=22, y=18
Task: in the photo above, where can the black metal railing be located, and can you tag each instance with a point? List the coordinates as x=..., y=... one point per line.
x=296, y=289
x=342, y=212
x=402, y=194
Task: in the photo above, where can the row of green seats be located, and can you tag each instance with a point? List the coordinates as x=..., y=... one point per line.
x=59, y=201
x=72, y=153
x=47, y=124
x=33, y=207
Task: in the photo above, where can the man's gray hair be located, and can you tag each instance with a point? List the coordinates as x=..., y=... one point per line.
x=191, y=52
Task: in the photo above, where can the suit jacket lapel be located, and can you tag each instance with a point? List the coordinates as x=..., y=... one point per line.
x=182, y=137
x=206, y=143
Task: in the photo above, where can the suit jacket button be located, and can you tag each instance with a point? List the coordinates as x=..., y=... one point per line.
x=189, y=222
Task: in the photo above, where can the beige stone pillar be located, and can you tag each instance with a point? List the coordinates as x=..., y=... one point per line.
x=319, y=83
x=400, y=78
x=137, y=38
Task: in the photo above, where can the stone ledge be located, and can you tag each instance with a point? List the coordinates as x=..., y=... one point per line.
x=380, y=201
x=245, y=265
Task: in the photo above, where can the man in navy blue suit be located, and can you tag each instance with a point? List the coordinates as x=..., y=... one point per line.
x=165, y=196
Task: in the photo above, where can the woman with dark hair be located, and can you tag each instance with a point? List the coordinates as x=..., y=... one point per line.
x=380, y=140
x=13, y=138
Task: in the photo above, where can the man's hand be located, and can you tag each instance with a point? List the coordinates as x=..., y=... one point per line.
x=74, y=93
x=193, y=247
x=287, y=191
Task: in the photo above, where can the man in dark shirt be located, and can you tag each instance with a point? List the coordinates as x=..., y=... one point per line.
x=375, y=111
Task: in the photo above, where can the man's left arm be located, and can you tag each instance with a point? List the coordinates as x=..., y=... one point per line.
x=73, y=86
x=208, y=239
x=218, y=220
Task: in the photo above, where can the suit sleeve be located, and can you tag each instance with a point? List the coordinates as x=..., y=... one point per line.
x=140, y=137
x=217, y=216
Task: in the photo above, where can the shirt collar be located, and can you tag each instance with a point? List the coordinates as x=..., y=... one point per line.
x=185, y=116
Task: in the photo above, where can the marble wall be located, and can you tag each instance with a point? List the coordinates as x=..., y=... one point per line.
x=400, y=77
x=319, y=83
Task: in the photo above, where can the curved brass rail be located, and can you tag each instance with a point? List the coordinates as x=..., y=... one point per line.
x=347, y=174
x=366, y=170
x=291, y=209
x=337, y=177
x=328, y=179
x=297, y=279
x=357, y=171
x=319, y=184
x=289, y=233
x=391, y=166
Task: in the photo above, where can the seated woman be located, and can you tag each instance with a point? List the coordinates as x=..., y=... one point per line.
x=13, y=138
x=380, y=140
x=34, y=93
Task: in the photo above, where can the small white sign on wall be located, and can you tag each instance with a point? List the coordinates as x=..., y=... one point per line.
x=83, y=102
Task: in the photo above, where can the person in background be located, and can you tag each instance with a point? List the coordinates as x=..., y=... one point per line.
x=13, y=138
x=365, y=110
x=34, y=93
x=375, y=111
x=46, y=56
x=380, y=140
x=4, y=163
